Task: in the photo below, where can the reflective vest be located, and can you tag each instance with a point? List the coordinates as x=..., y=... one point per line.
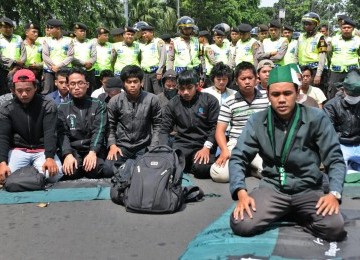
x=11, y=49
x=33, y=53
x=270, y=46
x=290, y=53
x=82, y=50
x=58, y=49
x=221, y=53
x=126, y=55
x=41, y=40
x=344, y=53
x=308, y=49
x=103, y=58
x=204, y=49
x=243, y=51
x=150, y=57
x=186, y=55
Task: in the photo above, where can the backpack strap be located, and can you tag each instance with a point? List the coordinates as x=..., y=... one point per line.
x=192, y=194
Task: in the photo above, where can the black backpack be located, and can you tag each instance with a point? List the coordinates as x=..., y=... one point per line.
x=154, y=182
x=25, y=179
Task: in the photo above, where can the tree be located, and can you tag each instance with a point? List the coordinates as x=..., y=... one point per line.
x=326, y=9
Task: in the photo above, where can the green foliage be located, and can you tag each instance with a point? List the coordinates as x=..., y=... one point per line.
x=294, y=11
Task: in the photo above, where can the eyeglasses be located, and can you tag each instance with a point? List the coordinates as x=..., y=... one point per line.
x=79, y=83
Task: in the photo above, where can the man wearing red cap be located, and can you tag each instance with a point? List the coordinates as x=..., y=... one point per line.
x=28, y=133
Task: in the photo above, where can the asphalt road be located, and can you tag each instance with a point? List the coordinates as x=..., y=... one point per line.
x=103, y=230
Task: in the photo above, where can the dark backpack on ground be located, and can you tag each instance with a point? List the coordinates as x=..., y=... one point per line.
x=26, y=178
x=154, y=185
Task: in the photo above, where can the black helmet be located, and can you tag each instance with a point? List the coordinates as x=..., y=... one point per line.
x=140, y=24
x=185, y=22
x=311, y=17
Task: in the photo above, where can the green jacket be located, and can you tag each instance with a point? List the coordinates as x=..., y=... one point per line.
x=316, y=141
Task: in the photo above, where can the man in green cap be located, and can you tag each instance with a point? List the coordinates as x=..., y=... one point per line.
x=292, y=140
x=344, y=111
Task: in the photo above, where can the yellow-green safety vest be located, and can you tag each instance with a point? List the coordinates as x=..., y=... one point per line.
x=103, y=60
x=291, y=52
x=308, y=48
x=126, y=55
x=82, y=50
x=243, y=51
x=58, y=49
x=11, y=49
x=221, y=53
x=186, y=56
x=150, y=57
x=33, y=53
x=344, y=53
x=270, y=46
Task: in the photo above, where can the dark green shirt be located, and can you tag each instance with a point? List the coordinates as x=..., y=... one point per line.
x=316, y=141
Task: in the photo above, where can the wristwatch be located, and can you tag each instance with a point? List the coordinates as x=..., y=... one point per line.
x=336, y=194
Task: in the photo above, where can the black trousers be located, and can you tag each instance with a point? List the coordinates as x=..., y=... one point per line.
x=272, y=205
x=96, y=173
x=335, y=77
x=151, y=83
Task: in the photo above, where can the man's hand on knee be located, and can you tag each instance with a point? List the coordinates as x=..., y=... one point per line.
x=202, y=156
x=90, y=161
x=327, y=205
x=51, y=166
x=245, y=203
x=4, y=172
x=69, y=164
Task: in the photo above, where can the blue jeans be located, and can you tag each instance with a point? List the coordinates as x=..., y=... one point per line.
x=19, y=159
x=349, y=151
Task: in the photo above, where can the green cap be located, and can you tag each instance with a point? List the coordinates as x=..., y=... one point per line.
x=295, y=67
x=352, y=83
x=283, y=74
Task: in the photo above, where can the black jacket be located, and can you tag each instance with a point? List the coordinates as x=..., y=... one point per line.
x=82, y=125
x=32, y=126
x=134, y=125
x=195, y=120
x=345, y=118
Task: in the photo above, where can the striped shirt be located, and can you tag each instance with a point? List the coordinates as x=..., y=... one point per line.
x=235, y=111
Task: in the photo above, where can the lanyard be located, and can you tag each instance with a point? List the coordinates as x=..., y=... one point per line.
x=289, y=139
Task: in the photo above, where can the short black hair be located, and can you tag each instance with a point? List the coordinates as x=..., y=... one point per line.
x=220, y=69
x=304, y=68
x=131, y=71
x=106, y=74
x=187, y=77
x=63, y=72
x=76, y=71
x=244, y=66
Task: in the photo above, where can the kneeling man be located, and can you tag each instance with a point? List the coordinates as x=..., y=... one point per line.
x=292, y=140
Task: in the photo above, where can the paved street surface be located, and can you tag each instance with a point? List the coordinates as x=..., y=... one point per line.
x=103, y=230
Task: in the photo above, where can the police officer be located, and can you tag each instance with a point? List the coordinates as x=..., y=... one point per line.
x=153, y=59
x=312, y=48
x=207, y=58
x=184, y=50
x=126, y=52
x=33, y=50
x=117, y=34
x=344, y=51
x=105, y=54
x=234, y=38
x=85, y=54
x=246, y=48
x=263, y=32
x=12, y=52
x=220, y=48
x=275, y=47
x=291, y=53
x=57, y=53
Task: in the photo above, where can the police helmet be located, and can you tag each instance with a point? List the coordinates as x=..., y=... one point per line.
x=185, y=22
x=223, y=27
x=139, y=25
x=311, y=17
